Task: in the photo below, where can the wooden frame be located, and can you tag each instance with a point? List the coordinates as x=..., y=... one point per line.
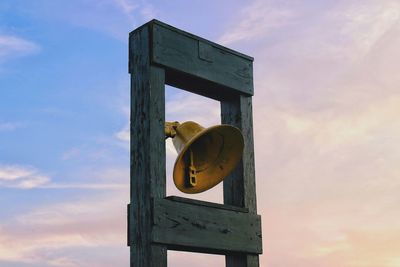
x=160, y=54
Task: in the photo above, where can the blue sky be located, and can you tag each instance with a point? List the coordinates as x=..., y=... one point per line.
x=327, y=133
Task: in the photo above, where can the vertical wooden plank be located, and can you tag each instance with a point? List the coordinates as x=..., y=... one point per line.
x=244, y=260
x=235, y=261
x=147, y=149
x=239, y=186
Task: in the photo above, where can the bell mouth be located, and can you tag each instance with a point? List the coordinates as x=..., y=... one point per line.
x=213, y=153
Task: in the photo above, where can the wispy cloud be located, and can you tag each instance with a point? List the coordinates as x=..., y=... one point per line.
x=71, y=153
x=366, y=24
x=21, y=177
x=115, y=18
x=9, y=126
x=93, y=186
x=256, y=20
x=26, y=177
x=13, y=46
x=145, y=9
x=123, y=135
x=69, y=233
x=327, y=136
x=56, y=234
x=352, y=248
x=127, y=6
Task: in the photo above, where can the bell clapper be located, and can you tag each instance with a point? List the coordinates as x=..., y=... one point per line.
x=192, y=171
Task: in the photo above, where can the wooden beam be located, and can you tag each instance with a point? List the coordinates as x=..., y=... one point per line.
x=192, y=57
x=191, y=227
x=147, y=150
x=239, y=186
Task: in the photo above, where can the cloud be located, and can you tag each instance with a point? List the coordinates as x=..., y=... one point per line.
x=129, y=7
x=176, y=258
x=361, y=248
x=21, y=177
x=331, y=174
x=126, y=6
x=65, y=234
x=71, y=153
x=327, y=148
x=25, y=177
x=115, y=18
x=87, y=231
x=93, y=186
x=367, y=23
x=258, y=19
x=123, y=135
x=326, y=131
x=327, y=134
x=9, y=126
x=13, y=46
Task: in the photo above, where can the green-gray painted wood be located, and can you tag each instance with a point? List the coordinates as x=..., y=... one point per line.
x=160, y=54
x=239, y=186
x=192, y=227
x=147, y=150
x=192, y=56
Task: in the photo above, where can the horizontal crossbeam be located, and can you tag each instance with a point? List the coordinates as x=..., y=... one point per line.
x=198, y=65
x=200, y=228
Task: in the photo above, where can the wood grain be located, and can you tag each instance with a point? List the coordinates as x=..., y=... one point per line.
x=191, y=227
x=147, y=150
x=160, y=54
x=239, y=186
x=191, y=55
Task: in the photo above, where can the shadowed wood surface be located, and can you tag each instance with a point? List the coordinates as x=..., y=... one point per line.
x=239, y=186
x=191, y=55
x=191, y=227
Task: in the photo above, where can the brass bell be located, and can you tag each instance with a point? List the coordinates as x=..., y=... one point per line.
x=205, y=155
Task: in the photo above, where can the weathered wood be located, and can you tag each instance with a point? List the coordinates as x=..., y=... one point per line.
x=207, y=204
x=239, y=186
x=188, y=56
x=147, y=150
x=191, y=227
x=160, y=54
x=241, y=260
x=128, y=219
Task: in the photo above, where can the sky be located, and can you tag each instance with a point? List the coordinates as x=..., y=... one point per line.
x=326, y=118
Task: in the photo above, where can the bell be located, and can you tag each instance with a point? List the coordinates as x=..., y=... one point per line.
x=205, y=155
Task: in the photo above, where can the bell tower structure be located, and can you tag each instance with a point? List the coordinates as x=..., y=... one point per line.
x=160, y=54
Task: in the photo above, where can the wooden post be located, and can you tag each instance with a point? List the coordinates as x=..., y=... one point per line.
x=239, y=186
x=160, y=54
x=147, y=150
